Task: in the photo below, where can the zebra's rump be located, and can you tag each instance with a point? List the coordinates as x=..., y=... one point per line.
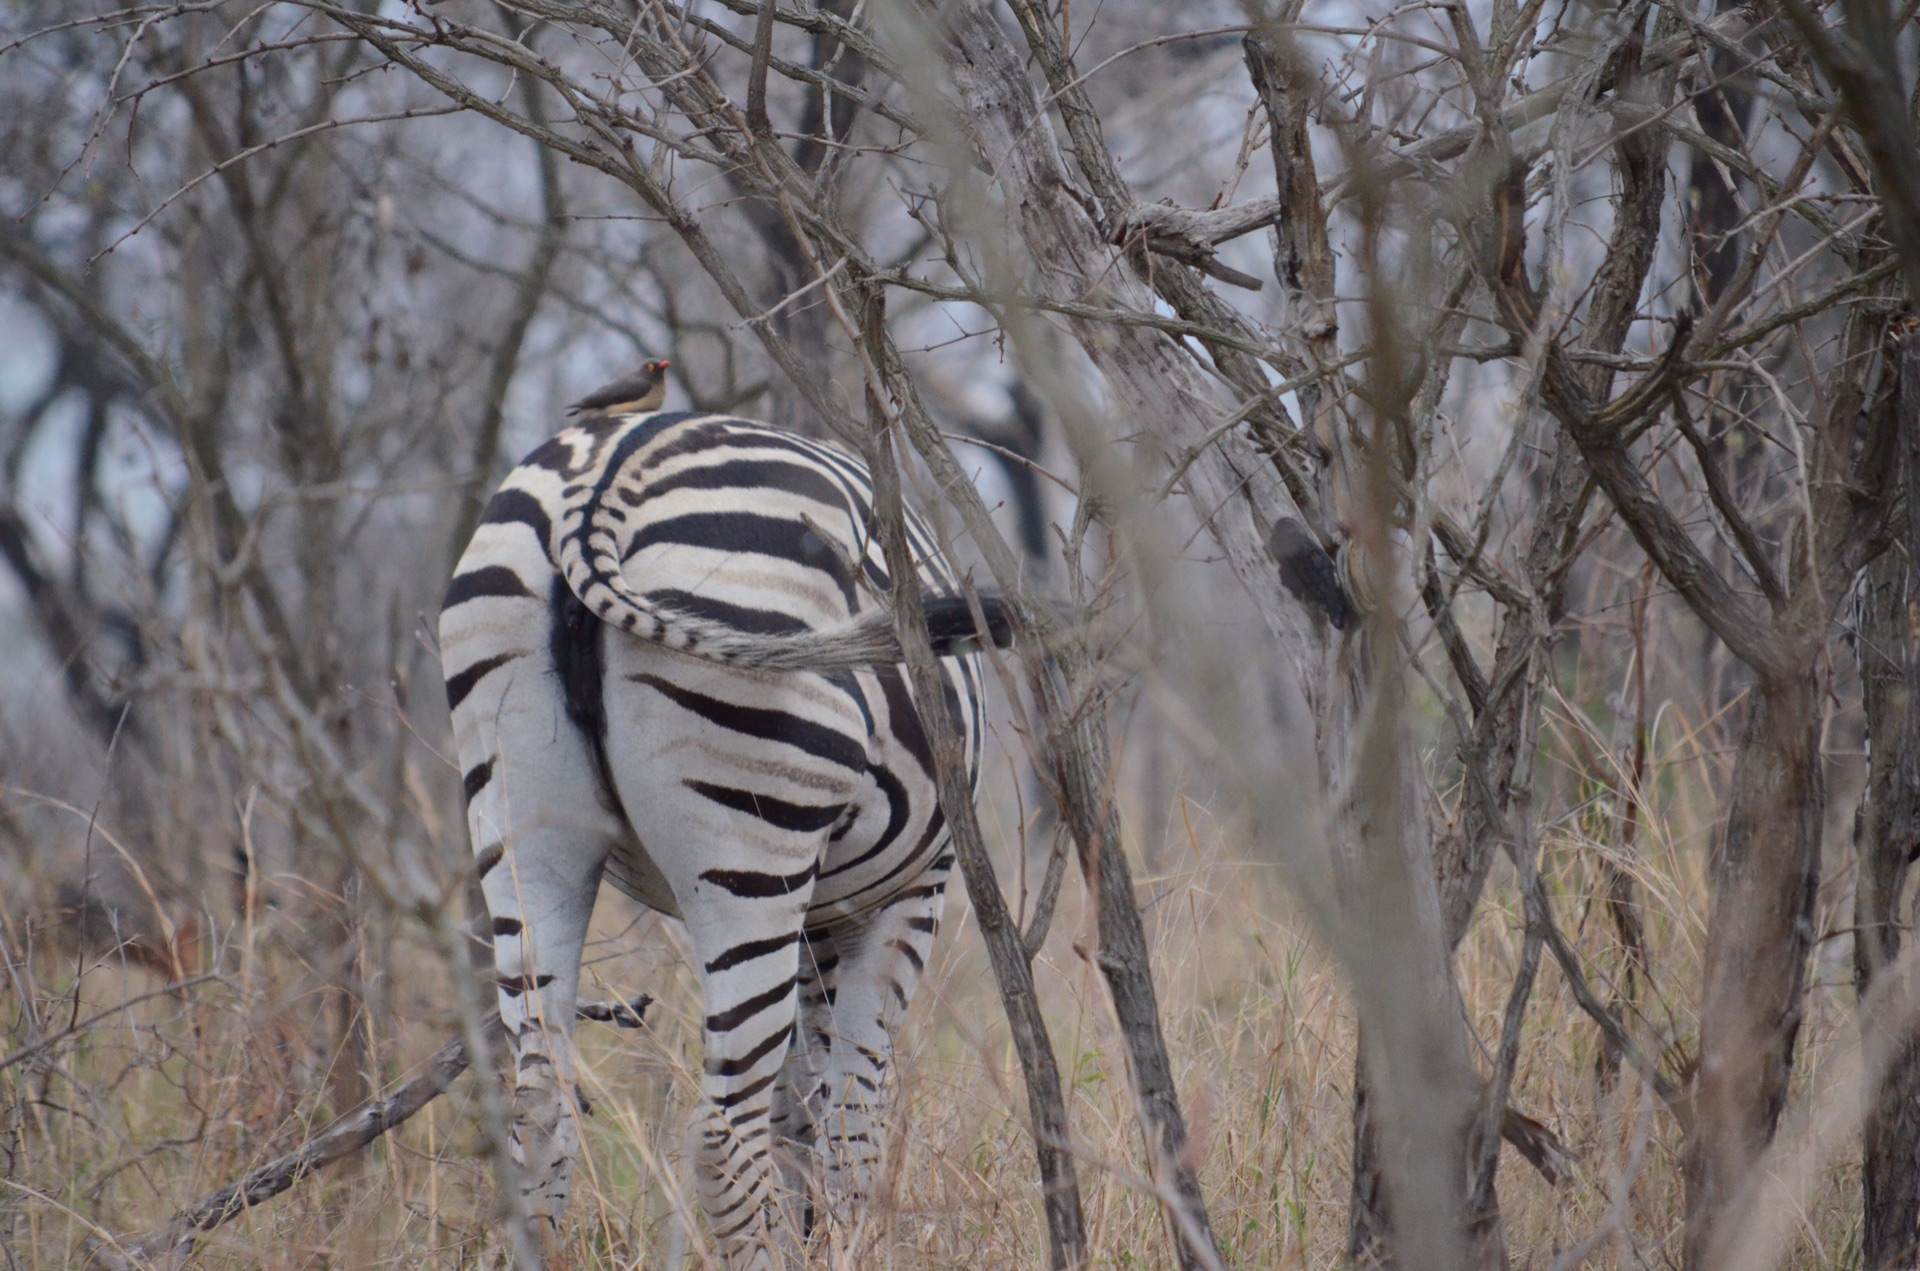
x=734, y=527
x=769, y=533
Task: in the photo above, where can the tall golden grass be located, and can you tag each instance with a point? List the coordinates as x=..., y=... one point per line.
x=177, y=1095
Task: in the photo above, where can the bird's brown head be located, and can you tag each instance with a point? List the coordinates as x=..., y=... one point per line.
x=643, y=390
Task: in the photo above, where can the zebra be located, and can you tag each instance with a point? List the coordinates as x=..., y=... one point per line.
x=666, y=666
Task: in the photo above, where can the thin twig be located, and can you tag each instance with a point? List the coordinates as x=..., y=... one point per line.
x=47, y=1043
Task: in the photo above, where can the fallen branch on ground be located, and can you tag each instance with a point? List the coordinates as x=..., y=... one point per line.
x=168, y=1246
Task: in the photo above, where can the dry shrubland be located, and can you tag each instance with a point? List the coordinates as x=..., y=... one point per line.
x=1451, y=467
x=183, y=1092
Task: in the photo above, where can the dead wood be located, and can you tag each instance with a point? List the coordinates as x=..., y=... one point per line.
x=1190, y=237
x=1006, y=949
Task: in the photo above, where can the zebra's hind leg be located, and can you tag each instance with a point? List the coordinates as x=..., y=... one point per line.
x=540, y=895
x=882, y=956
x=748, y=948
x=798, y=1094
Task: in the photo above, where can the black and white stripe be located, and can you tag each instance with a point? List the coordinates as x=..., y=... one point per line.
x=666, y=665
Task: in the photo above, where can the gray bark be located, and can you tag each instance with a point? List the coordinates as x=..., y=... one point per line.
x=1888, y=838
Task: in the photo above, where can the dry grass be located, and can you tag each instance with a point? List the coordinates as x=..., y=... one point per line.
x=176, y=1096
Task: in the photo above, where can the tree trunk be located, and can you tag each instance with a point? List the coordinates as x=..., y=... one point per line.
x=1369, y=1223
x=1887, y=833
x=1012, y=968
x=1759, y=934
x=1077, y=745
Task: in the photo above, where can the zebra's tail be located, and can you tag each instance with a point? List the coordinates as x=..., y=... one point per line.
x=591, y=563
x=951, y=628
